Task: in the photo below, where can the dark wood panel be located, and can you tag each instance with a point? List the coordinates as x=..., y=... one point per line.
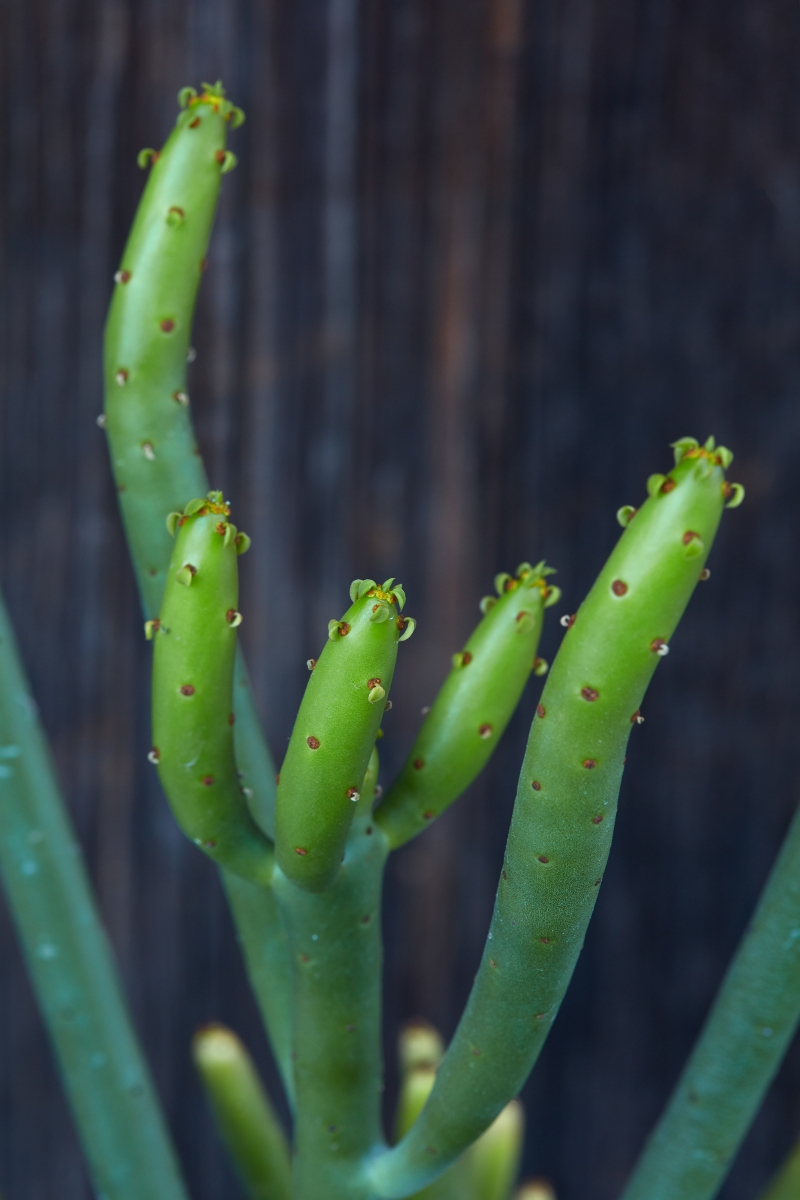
x=479, y=264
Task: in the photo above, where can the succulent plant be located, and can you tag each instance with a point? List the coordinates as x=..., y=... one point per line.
x=303, y=855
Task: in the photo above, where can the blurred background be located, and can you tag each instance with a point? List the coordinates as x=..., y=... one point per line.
x=481, y=261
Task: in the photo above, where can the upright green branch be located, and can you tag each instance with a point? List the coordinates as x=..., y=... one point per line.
x=157, y=464
x=104, y=1073
x=474, y=705
x=564, y=812
x=193, y=664
x=335, y=732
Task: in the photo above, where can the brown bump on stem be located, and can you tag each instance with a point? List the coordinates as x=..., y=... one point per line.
x=545, y=941
x=209, y=845
x=466, y=658
x=193, y=124
x=504, y=875
x=597, y=882
x=540, y=1016
x=305, y=958
x=277, y=778
x=220, y=528
x=232, y=718
x=690, y=536
x=352, y=793
x=368, y=830
x=203, y=264
x=668, y=485
x=187, y=689
x=429, y=814
x=492, y=963
x=537, y=787
x=619, y=587
x=365, y=919
x=418, y=764
x=208, y=780
x=401, y=623
x=122, y=277
x=373, y=683
x=230, y=615
x=476, y=1051
x=596, y=820
x=344, y=629
x=727, y=490
x=313, y=742
x=154, y=754
x=568, y=620
x=301, y=850
x=590, y=693
x=167, y=325
x=543, y=858
x=659, y=646
x=121, y=377
x=219, y=155
x=637, y=718
x=540, y=710
x=590, y=763
x=705, y=574
x=485, y=731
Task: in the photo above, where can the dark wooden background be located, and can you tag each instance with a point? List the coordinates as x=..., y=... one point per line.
x=480, y=262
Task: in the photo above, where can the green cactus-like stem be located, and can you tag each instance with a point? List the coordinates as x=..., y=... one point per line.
x=335, y=732
x=153, y=448
x=193, y=667
x=564, y=812
x=473, y=706
x=263, y=941
x=742, y=1044
x=70, y=963
x=246, y=1120
x=154, y=455
x=335, y=939
x=786, y=1184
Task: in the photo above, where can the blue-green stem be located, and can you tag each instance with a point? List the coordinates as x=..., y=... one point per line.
x=105, y=1076
x=743, y=1042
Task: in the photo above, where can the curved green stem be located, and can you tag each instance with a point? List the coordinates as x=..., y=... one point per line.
x=564, y=814
x=154, y=454
x=249, y=1127
x=742, y=1044
x=106, y=1078
x=193, y=668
